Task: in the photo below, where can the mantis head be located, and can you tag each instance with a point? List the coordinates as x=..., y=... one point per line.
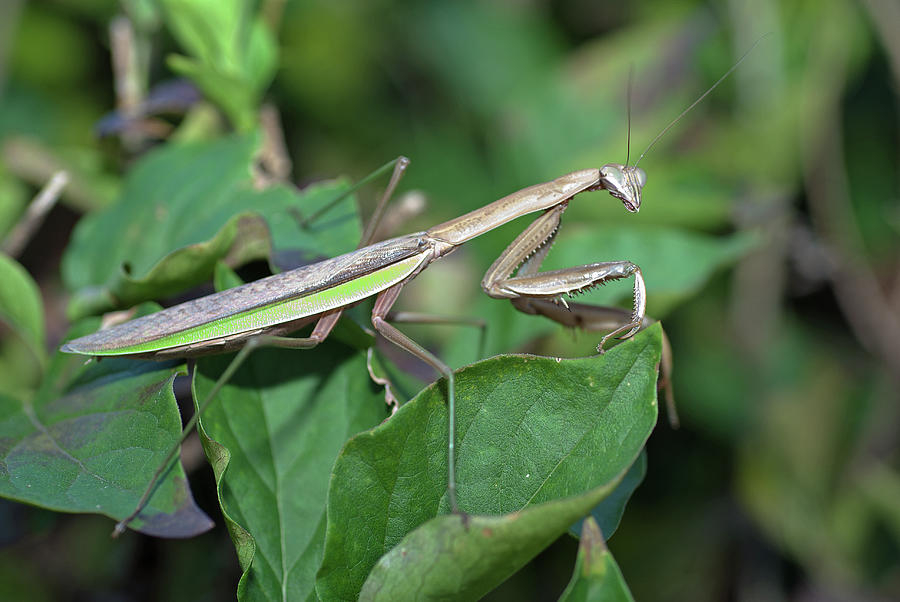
x=625, y=183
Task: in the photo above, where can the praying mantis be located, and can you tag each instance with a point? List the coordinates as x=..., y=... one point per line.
x=264, y=311
x=267, y=309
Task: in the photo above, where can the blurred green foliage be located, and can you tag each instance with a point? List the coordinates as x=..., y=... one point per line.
x=768, y=236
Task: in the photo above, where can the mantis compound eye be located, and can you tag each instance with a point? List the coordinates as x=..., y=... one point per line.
x=641, y=176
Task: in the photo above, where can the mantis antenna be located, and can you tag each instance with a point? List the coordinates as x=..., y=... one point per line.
x=693, y=104
x=628, y=109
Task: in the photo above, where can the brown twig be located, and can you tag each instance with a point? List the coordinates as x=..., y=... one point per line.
x=35, y=163
x=274, y=162
x=41, y=205
x=126, y=73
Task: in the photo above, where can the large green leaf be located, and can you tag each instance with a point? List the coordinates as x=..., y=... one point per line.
x=182, y=209
x=460, y=557
x=530, y=430
x=272, y=436
x=91, y=440
x=597, y=577
x=608, y=513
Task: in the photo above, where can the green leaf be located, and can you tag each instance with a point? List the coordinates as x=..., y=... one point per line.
x=530, y=430
x=460, y=557
x=233, y=55
x=507, y=50
x=170, y=200
x=13, y=196
x=234, y=97
x=91, y=440
x=225, y=278
x=272, y=436
x=183, y=209
x=608, y=513
x=597, y=577
x=21, y=307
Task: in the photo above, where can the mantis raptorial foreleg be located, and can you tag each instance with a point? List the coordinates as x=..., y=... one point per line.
x=527, y=253
x=543, y=293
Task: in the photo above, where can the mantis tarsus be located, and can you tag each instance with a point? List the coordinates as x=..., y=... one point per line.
x=262, y=312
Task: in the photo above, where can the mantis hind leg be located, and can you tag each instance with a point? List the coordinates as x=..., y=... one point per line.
x=406, y=317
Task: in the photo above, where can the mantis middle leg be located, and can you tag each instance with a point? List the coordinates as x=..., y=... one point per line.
x=383, y=304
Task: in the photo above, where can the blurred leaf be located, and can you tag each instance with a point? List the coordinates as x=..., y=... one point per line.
x=90, y=186
x=577, y=118
x=22, y=355
x=530, y=430
x=91, y=440
x=461, y=557
x=13, y=199
x=881, y=488
x=21, y=579
x=183, y=208
x=508, y=49
x=597, y=577
x=21, y=307
x=27, y=112
x=272, y=436
x=232, y=94
x=41, y=29
x=335, y=45
x=20, y=371
x=809, y=488
x=233, y=54
x=202, y=122
x=719, y=407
